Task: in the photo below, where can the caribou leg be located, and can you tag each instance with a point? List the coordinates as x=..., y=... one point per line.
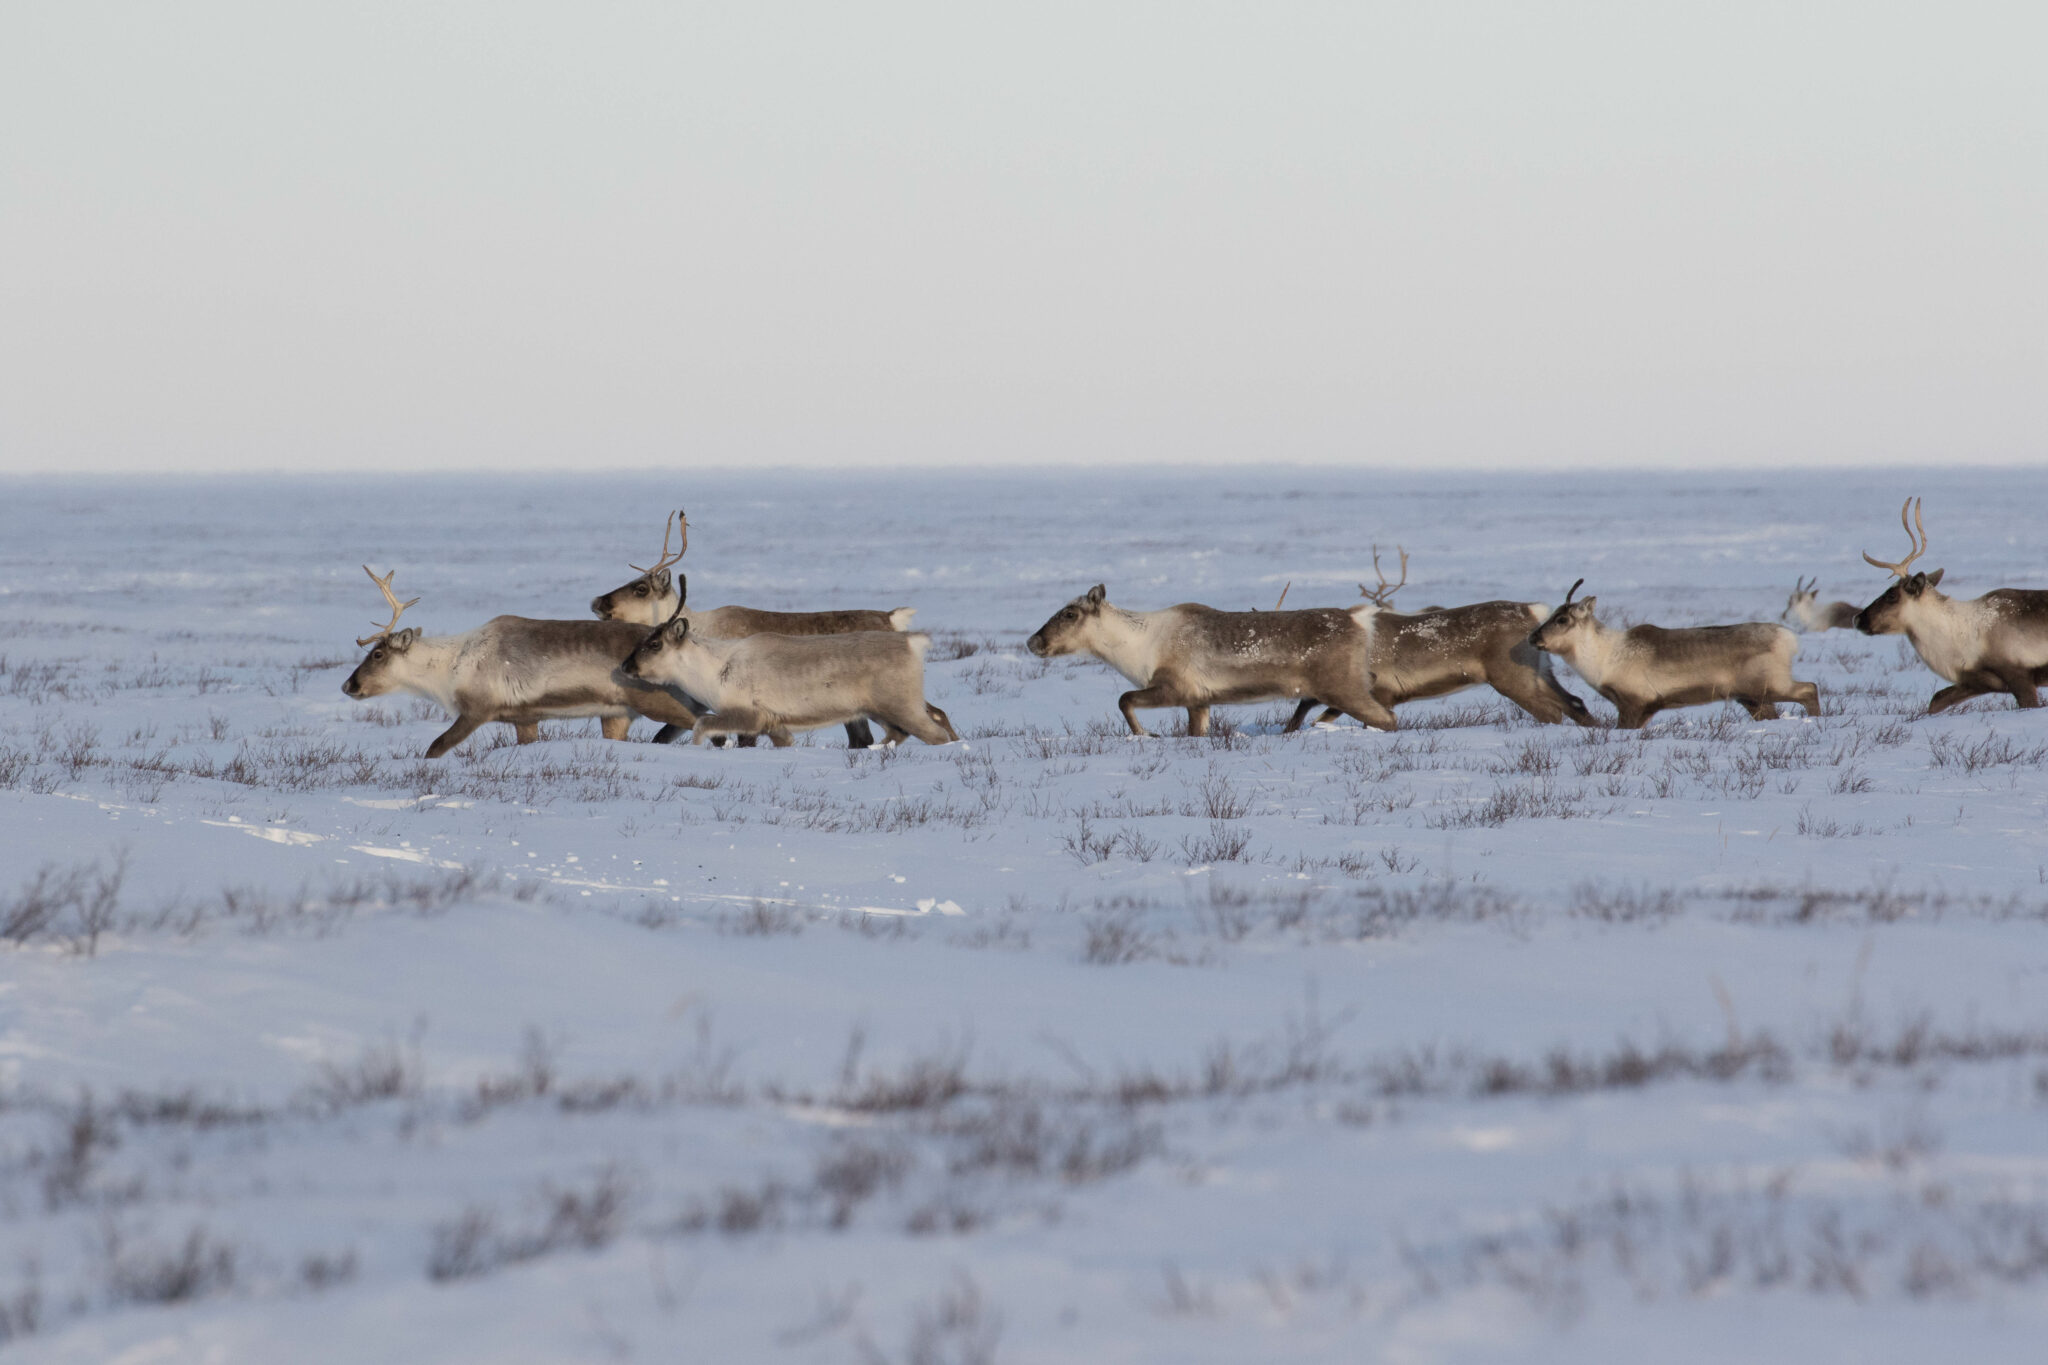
x=1632, y=715
x=528, y=733
x=1542, y=698
x=1162, y=693
x=917, y=722
x=1525, y=678
x=462, y=729
x=2020, y=682
x=1968, y=686
x=738, y=725
x=1364, y=708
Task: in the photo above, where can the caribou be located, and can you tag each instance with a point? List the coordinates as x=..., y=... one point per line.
x=1196, y=657
x=1440, y=650
x=1804, y=610
x=1994, y=643
x=1646, y=669
x=515, y=670
x=655, y=598
x=776, y=684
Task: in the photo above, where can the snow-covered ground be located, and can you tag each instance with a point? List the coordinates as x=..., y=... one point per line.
x=1479, y=1040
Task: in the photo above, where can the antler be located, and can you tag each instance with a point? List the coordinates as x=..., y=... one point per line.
x=397, y=607
x=1919, y=544
x=1568, y=592
x=1384, y=593
x=673, y=519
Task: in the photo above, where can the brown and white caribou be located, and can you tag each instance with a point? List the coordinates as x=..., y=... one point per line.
x=1196, y=657
x=1646, y=669
x=655, y=598
x=1439, y=650
x=1994, y=643
x=776, y=684
x=515, y=670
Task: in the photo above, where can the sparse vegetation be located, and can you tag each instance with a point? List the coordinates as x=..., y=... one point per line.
x=584, y=1216
x=270, y=909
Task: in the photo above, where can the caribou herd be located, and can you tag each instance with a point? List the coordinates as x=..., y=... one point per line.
x=737, y=673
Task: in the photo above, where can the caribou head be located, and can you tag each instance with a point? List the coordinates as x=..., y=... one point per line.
x=650, y=598
x=1067, y=631
x=373, y=675
x=1884, y=616
x=1564, y=623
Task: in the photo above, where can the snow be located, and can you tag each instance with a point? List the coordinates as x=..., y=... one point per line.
x=1479, y=1040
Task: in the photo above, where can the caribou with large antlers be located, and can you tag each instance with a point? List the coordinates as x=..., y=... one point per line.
x=654, y=598
x=1994, y=643
x=1647, y=669
x=641, y=599
x=515, y=670
x=1196, y=657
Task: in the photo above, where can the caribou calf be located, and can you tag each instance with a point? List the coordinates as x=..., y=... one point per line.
x=1197, y=657
x=775, y=684
x=1645, y=669
x=1804, y=610
x=518, y=671
x=1994, y=643
x=1441, y=650
x=654, y=598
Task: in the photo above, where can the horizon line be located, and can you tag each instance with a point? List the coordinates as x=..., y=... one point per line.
x=1309, y=466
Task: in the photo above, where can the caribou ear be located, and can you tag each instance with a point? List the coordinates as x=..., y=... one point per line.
x=1096, y=594
x=660, y=580
x=679, y=627
x=1586, y=604
x=404, y=639
x=1935, y=577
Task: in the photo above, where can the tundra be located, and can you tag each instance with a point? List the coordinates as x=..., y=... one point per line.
x=775, y=684
x=1994, y=643
x=654, y=598
x=1645, y=669
x=515, y=670
x=1804, y=610
x=1197, y=657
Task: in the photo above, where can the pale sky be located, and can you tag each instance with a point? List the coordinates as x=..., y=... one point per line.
x=520, y=236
